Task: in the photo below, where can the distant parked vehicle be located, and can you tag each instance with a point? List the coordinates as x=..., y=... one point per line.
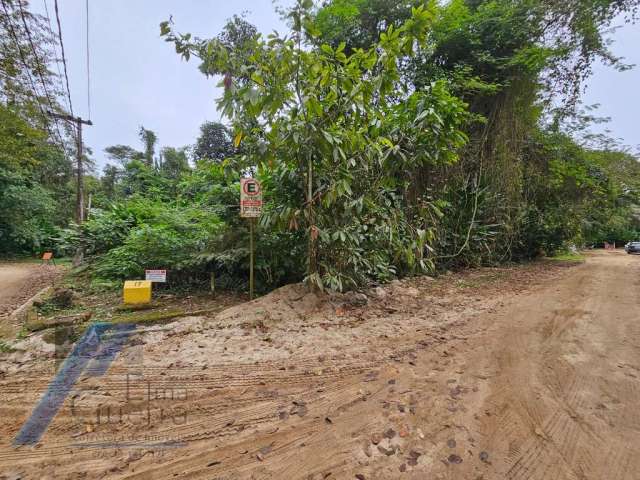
x=632, y=247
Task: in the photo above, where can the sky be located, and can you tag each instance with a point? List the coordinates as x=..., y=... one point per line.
x=138, y=79
x=617, y=93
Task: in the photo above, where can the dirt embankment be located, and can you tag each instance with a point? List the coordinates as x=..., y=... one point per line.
x=527, y=372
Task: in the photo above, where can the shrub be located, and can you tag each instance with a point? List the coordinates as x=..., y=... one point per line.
x=171, y=240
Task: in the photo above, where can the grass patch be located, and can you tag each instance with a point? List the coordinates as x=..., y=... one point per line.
x=59, y=261
x=567, y=257
x=162, y=316
x=146, y=317
x=22, y=333
x=468, y=283
x=6, y=348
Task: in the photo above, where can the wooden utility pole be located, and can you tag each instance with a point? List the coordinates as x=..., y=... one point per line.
x=79, y=255
x=80, y=216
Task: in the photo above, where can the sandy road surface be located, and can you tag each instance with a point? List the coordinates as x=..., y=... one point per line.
x=526, y=373
x=13, y=276
x=18, y=282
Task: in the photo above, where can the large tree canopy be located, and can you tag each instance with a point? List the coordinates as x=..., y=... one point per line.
x=330, y=127
x=362, y=96
x=214, y=142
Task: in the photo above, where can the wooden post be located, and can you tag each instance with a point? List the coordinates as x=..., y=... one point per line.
x=79, y=150
x=80, y=178
x=250, y=208
x=79, y=255
x=251, y=220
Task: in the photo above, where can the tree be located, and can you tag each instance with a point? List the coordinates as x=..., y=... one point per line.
x=109, y=181
x=514, y=64
x=123, y=153
x=174, y=162
x=26, y=80
x=214, y=142
x=149, y=140
x=33, y=177
x=359, y=23
x=141, y=179
x=35, y=195
x=237, y=36
x=329, y=130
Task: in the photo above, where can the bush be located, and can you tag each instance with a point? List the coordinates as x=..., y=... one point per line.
x=172, y=240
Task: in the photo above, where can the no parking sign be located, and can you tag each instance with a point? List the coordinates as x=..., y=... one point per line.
x=250, y=198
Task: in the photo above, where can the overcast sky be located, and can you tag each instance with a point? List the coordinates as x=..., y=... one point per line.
x=137, y=78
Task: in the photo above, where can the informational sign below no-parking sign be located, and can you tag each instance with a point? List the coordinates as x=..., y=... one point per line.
x=156, y=275
x=250, y=198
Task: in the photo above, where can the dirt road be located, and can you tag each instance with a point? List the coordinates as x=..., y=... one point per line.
x=18, y=282
x=515, y=373
x=12, y=278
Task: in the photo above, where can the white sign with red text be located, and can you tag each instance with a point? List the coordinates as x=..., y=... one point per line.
x=159, y=276
x=250, y=198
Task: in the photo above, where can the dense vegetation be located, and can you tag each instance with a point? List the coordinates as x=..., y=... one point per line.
x=36, y=193
x=391, y=137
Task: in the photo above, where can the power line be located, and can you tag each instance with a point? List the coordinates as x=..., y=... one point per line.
x=57, y=60
x=38, y=65
x=64, y=60
x=88, y=64
x=26, y=66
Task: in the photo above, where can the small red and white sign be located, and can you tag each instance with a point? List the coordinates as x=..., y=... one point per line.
x=250, y=198
x=159, y=276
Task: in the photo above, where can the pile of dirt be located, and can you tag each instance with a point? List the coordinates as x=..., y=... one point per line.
x=59, y=298
x=293, y=322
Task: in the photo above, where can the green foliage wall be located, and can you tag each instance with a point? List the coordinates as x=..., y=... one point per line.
x=36, y=196
x=392, y=138
x=34, y=186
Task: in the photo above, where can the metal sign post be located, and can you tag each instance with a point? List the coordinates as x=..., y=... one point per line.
x=251, y=208
x=251, y=220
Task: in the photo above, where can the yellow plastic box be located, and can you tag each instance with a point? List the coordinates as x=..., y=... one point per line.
x=137, y=291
